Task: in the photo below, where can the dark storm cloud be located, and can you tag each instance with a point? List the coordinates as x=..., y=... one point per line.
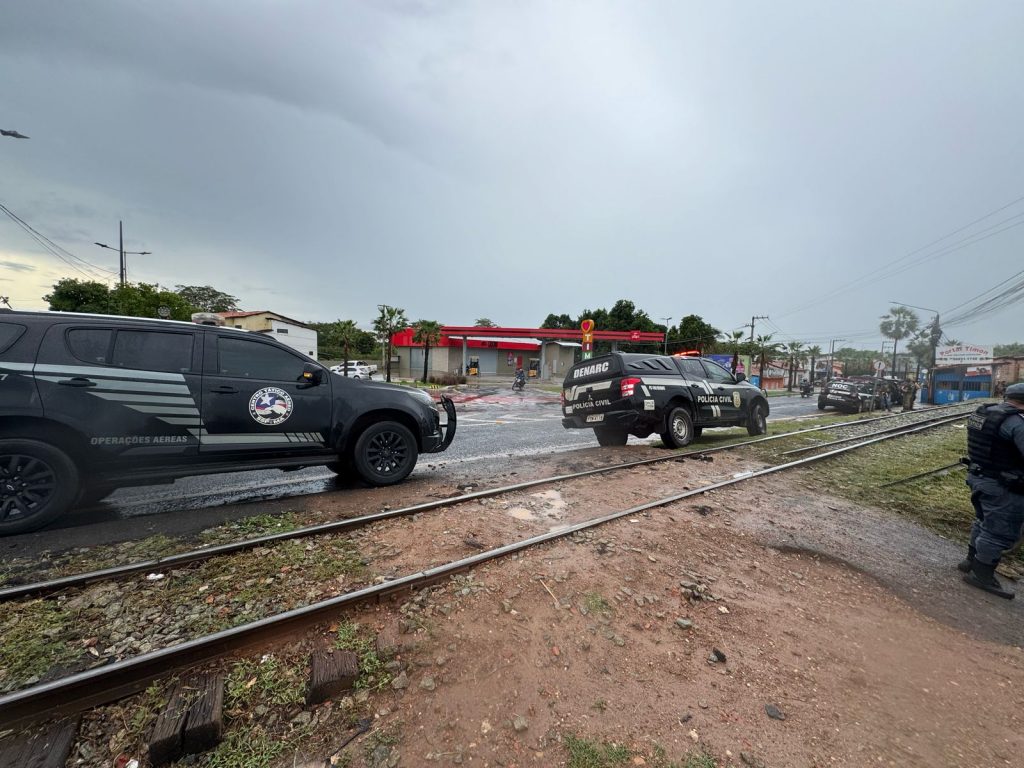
x=513, y=159
x=15, y=266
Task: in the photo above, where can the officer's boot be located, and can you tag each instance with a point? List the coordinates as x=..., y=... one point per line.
x=983, y=576
x=964, y=565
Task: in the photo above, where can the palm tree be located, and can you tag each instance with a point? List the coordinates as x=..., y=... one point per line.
x=814, y=353
x=901, y=323
x=733, y=342
x=794, y=350
x=764, y=347
x=427, y=333
x=390, y=321
x=347, y=335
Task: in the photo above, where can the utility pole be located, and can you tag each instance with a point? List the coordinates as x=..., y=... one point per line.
x=754, y=319
x=666, y=319
x=122, y=252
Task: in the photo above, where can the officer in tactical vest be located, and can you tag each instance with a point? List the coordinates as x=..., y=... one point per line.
x=995, y=448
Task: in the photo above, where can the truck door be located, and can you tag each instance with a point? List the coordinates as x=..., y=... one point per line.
x=132, y=392
x=700, y=391
x=256, y=399
x=725, y=391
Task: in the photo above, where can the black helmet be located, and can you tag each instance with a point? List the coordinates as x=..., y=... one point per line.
x=1015, y=392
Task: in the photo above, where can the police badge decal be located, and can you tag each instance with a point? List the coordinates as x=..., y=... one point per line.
x=270, y=406
x=736, y=399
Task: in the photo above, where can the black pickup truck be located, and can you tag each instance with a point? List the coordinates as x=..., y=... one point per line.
x=622, y=394
x=90, y=403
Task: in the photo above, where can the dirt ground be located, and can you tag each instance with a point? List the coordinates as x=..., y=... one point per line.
x=868, y=664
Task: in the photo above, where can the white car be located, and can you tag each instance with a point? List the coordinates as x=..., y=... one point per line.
x=364, y=364
x=354, y=371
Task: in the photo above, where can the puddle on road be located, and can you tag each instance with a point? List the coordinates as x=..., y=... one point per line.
x=545, y=505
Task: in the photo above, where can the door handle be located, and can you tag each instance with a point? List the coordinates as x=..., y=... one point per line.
x=77, y=381
x=224, y=390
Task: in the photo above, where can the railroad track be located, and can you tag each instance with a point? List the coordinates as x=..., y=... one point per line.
x=51, y=586
x=115, y=680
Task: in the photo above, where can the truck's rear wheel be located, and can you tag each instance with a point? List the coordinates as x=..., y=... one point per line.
x=385, y=453
x=679, y=430
x=38, y=483
x=821, y=404
x=610, y=436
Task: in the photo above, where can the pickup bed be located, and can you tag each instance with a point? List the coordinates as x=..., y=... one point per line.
x=623, y=394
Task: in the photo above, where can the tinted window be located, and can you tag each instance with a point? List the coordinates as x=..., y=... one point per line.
x=246, y=359
x=153, y=351
x=691, y=368
x=90, y=345
x=9, y=333
x=718, y=374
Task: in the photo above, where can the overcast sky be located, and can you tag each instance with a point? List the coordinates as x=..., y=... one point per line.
x=511, y=159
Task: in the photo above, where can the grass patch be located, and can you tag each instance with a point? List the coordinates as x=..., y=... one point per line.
x=249, y=748
x=32, y=642
x=267, y=681
x=363, y=643
x=596, y=603
x=699, y=760
x=250, y=528
x=584, y=753
x=941, y=502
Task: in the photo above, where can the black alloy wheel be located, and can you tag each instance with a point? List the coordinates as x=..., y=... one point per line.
x=38, y=482
x=385, y=453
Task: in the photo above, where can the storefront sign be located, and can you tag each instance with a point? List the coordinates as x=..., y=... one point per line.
x=962, y=354
x=587, y=326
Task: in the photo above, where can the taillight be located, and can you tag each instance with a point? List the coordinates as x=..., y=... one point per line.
x=561, y=395
x=627, y=386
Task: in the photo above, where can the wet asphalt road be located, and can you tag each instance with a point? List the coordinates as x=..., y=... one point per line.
x=494, y=425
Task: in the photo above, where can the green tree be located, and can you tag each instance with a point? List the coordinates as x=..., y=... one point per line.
x=485, y=322
x=390, y=321
x=795, y=351
x=815, y=354
x=1009, y=350
x=733, y=342
x=901, y=323
x=427, y=333
x=856, y=362
x=764, y=349
x=207, y=298
x=559, y=321
x=694, y=333
x=71, y=295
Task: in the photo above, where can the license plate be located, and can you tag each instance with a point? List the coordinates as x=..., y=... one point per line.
x=595, y=417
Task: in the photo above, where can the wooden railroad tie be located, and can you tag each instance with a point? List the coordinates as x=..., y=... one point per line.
x=331, y=673
x=41, y=748
x=192, y=722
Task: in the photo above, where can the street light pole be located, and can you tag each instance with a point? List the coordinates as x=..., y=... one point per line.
x=666, y=319
x=122, y=252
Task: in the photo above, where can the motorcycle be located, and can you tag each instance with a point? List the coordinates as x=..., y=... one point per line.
x=805, y=389
x=519, y=383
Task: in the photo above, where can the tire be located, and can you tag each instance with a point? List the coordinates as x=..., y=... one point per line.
x=38, y=483
x=385, y=453
x=757, y=421
x=821, y=404
x=679, y=430
x=610, y=436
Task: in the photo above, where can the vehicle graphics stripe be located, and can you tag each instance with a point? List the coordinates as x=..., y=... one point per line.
x=109, y=373
x=131, y=386
x=182, y=420
x=164, y=410
x=16, y=366
x=243, y=438
x=125, y=397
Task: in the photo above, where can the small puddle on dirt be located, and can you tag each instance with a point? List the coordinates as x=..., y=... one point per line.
x=543, y=505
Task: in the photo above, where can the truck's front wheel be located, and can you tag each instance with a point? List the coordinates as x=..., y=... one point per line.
x=385, y=453
x=679, y=428
x=757, y=422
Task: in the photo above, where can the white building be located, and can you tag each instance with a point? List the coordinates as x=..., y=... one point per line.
x=296, y=335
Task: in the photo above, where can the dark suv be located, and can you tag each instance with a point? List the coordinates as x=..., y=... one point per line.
x=92, y=403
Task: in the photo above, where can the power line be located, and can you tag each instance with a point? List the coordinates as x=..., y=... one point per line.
x=88, y=269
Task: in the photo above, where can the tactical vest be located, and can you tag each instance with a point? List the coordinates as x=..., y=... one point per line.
x=993, y=454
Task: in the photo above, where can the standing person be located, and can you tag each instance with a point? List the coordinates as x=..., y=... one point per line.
x=885, y=398
x=995, y=446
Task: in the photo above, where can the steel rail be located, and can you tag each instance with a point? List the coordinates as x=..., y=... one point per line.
x=944, y=420
x=51, y=586
x=108, y=683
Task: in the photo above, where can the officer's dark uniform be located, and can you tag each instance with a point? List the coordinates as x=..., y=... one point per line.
x=995, y=446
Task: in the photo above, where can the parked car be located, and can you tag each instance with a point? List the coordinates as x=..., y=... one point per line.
x=371, y=366
x=354, y=371
x=92, y=403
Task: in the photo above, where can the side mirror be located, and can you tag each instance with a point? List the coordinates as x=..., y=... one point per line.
x=312, y=376
x=741, y=377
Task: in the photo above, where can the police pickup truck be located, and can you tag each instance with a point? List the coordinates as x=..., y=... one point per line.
x=622, y=394
x=90, y=403
x=847, y=396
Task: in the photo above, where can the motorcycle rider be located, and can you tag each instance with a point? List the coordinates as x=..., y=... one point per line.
x=995, y=447
x=805, y=387
x=520, y=380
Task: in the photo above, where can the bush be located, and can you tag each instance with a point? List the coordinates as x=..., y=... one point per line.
x=445, y=379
